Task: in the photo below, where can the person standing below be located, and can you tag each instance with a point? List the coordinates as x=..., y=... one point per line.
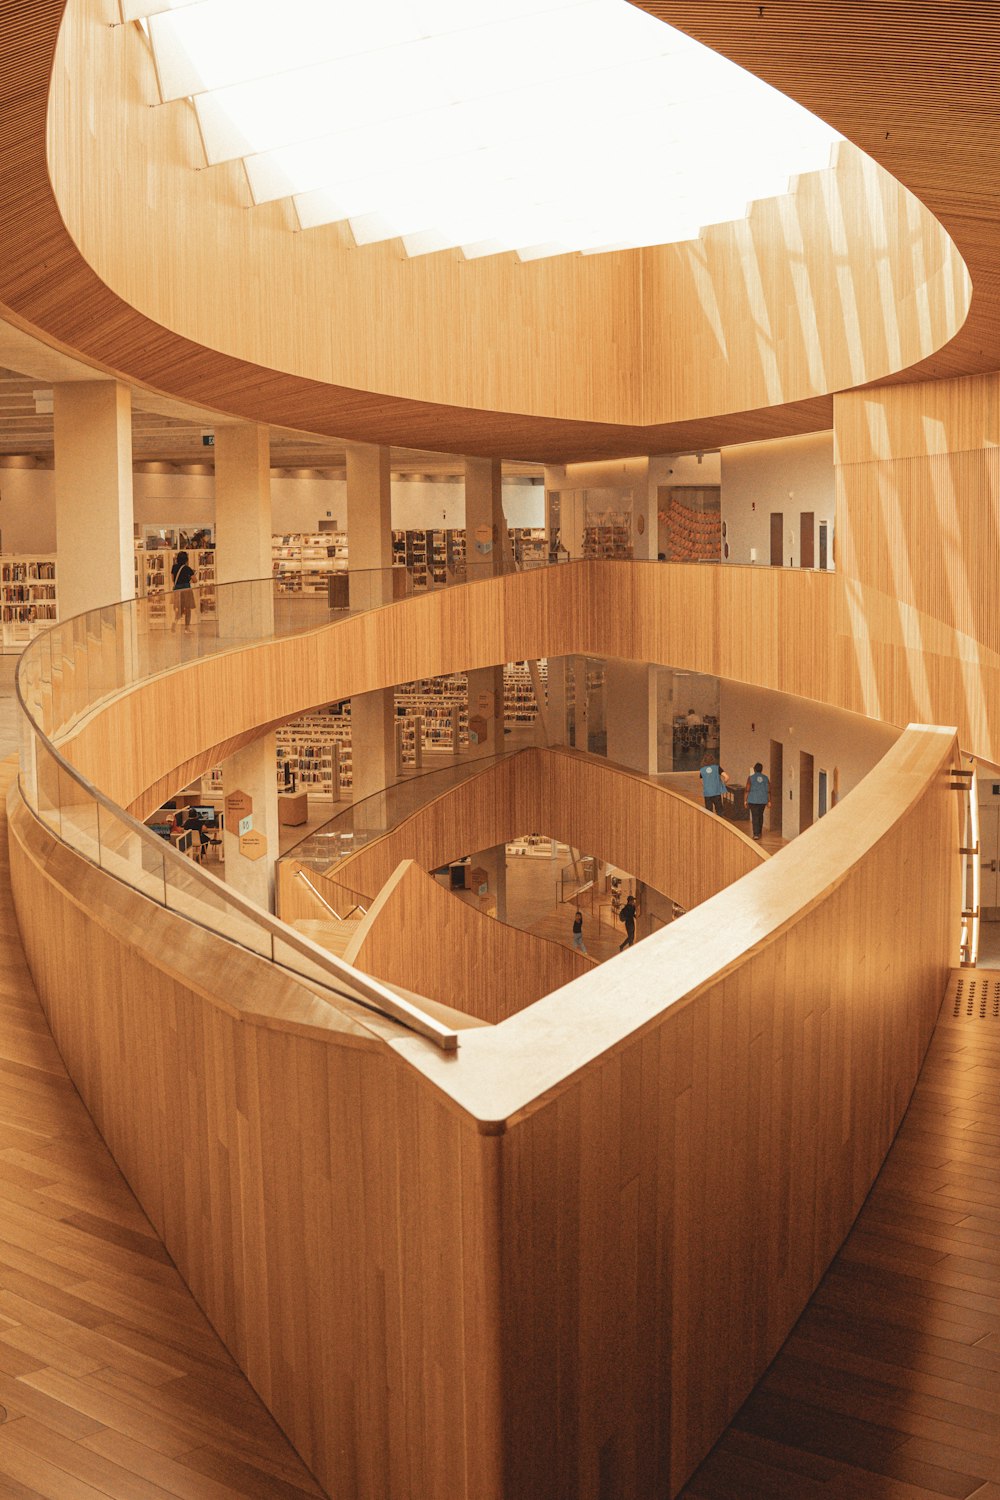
x=758, y=795
x=578, y=932
x=713, y=782
x=183, y=574
x=628, y=917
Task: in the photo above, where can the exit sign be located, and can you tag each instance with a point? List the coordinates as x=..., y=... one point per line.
x=208, y=440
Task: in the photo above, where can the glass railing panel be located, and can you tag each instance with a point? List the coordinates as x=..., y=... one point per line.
x=198, y=898
x=132, y=854
x=78, y=825
x=47, y=781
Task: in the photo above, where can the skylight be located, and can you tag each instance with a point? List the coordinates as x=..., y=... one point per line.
x=538, y=126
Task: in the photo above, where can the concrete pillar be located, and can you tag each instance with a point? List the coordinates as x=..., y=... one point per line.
x=243, y=528
x=373, y=745
x=92, y=427
x=645, y=526
x=631, y=714
x=243, y=524
x=253, y=770
x=369, y=562
x=494, y=862
x=369, y=526
x=581, y=705
x=558, y=721
x=487, y=545
x=486, y=704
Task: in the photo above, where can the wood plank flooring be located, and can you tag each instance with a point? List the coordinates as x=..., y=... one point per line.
x=112, y=1383
x=889, y=1386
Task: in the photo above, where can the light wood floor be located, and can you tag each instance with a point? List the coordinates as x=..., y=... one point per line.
x=112, y=1382
x=889, y=1386
x=114, y=1385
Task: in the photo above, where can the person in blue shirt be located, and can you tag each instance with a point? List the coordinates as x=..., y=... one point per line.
x=758, y=795
x=713, y=782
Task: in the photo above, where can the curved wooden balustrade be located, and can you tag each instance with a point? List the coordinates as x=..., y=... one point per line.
x=719, y=1097
x=816, y=635
x=665, y=840
x=422, y=937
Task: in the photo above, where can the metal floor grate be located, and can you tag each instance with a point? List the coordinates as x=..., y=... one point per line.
x=976, y=998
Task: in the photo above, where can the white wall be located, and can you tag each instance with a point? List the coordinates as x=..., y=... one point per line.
x=27, y=510
x=790, y=475
x=752, y=717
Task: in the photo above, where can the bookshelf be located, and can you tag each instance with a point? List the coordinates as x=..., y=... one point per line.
x=520, y=706
x=302, y=562
x=28, y=599
x=608, y=536
x=153, y=579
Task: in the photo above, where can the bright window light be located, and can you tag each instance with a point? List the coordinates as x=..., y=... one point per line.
x=536, y=126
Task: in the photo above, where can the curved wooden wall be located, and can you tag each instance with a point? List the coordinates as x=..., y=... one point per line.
x=424, y=938
x=519, y=1246
x=684, y=331
x=621, y=817
x=820, y=636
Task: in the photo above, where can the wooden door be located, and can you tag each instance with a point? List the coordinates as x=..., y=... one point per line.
x=777, y=537
x=989, y=856
x=774, y=773
x=807, y=533
x=824, y=532
x=805, y=791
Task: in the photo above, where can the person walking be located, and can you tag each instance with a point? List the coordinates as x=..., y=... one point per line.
x=758, y=795
x=713, y=782
x=578, y=932
x=183, y=574
x=627, y=915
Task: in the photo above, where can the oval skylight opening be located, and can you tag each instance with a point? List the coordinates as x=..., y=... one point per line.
x=537, y=126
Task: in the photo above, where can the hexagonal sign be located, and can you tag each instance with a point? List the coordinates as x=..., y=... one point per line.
x=238, y=805
x=253, y=845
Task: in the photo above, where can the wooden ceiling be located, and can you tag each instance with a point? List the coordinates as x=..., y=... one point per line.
x=911, y=84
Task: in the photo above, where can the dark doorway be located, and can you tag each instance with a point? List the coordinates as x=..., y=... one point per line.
x=774, y=772
x=824, y=533
x=807, y=533
x=805, y=791
x=777, y=535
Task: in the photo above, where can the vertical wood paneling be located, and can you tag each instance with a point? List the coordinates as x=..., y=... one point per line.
x=554, y=1263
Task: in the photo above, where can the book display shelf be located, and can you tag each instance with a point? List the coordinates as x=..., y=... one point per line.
x=28, y=599
x=303, y=562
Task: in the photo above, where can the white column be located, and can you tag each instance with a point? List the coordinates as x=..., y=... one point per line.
x=581, y=705
x=373, y=750
x=92, y=427
x=369, y=525
x=253, y=770
x=558, y=725
x=645, y=526
x=486, y=707
x=487, y=545
x=243, y=524
x=243, y=529
x=369, y=562
x=631, y=714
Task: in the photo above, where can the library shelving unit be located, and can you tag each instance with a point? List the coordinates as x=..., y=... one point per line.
x=609, y=535
x=520, y=706
x=443, y=705
x=432, y=558
x=304, y=561
x=28, y=599
x=409, y=742
x=317, y=750
x=530, y=545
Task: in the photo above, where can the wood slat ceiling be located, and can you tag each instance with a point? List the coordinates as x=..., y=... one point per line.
x=911, y=84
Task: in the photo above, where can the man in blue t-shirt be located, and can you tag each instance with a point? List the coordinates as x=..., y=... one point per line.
x=713, y=783
x=758, y=794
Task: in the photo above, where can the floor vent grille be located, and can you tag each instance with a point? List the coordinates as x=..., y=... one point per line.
x=976, y=999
